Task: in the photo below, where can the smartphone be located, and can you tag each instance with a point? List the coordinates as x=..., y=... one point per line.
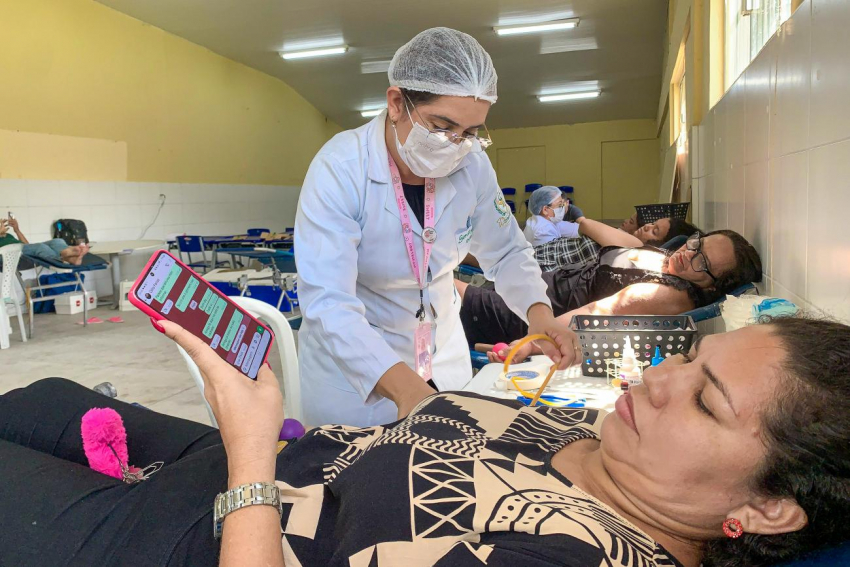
x=169, y=289
x=11, y=216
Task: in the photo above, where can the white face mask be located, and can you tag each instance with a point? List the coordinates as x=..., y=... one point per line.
x=430, y=155
x=559, y=214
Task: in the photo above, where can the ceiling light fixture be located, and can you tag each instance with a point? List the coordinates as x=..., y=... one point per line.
x=535, y=28
x=568, y=96
x=371, y=113
x=314, y=52
x=368, y=67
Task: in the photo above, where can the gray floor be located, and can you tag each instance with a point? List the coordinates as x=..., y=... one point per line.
x=143, y=365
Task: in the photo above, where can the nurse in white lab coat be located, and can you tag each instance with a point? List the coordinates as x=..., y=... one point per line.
x=357, y=288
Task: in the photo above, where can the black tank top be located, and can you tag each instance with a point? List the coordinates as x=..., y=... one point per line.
x=571, y=288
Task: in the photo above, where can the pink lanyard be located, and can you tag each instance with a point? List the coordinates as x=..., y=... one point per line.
x=429, y=235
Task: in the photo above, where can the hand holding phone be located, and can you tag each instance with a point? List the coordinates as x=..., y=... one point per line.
x=169, y=289
x=249, y=414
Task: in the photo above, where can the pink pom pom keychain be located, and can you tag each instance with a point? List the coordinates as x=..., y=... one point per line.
x=105, y=446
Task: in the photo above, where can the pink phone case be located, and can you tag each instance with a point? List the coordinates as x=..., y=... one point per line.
x=146, y=309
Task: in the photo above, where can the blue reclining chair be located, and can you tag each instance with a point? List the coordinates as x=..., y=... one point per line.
x=90, y=263
x=467, y=270
x=675, y=243
x=829, y=558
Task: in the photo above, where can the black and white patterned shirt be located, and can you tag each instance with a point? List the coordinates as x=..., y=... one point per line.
x=463, y=481
x=566, y=252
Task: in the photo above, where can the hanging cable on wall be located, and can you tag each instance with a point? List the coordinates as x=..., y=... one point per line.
x=156, y=216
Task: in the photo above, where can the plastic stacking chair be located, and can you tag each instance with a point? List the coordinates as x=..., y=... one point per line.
x=9, y=301
x=285, y=341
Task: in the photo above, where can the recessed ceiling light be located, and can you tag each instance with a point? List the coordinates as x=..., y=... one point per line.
x=314, y=52
x=568, y=96
x=371, y=113
x=368, y=67
x=535, y=28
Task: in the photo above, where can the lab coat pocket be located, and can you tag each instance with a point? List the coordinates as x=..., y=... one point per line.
x=463, y=239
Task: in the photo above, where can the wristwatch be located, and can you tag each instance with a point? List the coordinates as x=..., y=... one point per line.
x=264, y=493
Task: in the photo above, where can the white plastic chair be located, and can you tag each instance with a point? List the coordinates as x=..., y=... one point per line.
x=285, y=340
x=10, y=253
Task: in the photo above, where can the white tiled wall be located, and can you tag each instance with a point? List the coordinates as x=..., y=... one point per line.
x=773, y=159
x=121, y=211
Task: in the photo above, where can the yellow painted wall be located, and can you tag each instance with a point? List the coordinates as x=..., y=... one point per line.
x=77, y=69
x=25, y=155
x=573, y=154
x=629, y=176
x=695, y=25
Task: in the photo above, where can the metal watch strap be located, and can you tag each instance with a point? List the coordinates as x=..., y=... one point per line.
x=264, y=493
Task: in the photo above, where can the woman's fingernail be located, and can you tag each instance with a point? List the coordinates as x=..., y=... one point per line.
x=157, y=326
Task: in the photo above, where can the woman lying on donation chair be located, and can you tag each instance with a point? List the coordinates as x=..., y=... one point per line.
x=623, y=281
x=746, y=435
x=594, y=235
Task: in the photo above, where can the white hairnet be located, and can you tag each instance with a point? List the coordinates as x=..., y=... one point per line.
x=541, y=197
x=444, y=61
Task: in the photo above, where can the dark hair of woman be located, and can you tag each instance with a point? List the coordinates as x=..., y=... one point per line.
x=418, y=97
x=747, y=263
x=807, y=436
x=679, y=227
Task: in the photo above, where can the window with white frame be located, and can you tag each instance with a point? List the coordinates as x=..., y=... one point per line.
x=682, y=117
x=749, y=25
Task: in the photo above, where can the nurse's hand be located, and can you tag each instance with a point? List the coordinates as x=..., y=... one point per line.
x=249, y=412
x=541, y=321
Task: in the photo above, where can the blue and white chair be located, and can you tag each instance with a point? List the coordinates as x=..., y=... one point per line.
x=195, y=245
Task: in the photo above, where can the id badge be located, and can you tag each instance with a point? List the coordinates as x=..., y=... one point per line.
x=422, y=343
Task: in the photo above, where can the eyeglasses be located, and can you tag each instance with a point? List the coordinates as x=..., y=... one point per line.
x=478, y=143
x=699, y=262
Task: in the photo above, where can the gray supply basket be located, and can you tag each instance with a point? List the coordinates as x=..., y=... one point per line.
x=651, y=213
x=603, y=337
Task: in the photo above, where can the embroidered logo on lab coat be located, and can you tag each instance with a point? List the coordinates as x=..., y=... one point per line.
x=503, y=209
x=464, y=237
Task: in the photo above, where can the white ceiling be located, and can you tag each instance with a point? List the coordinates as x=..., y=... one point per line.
x=617, y=46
